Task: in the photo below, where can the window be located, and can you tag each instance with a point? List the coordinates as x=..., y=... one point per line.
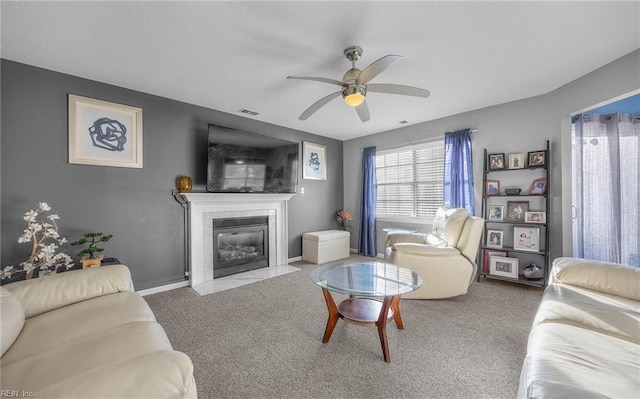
x=410, y=181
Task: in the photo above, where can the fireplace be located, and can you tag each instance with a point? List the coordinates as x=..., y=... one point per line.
x=204, y=208
x=240, y=245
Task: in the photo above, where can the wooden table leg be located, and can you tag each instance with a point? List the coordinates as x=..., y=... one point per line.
x=382, y=327
x=395, y=305
x=334, y=315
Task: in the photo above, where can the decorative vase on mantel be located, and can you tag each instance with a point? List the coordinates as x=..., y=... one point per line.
x=185, y=184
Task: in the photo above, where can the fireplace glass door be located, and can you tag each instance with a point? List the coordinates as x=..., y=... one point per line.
x=240, y=245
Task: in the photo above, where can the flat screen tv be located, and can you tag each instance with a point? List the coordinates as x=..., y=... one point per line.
x=244, y=162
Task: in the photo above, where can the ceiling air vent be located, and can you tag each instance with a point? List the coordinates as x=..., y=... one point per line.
x=403, y=122
x=248, y=112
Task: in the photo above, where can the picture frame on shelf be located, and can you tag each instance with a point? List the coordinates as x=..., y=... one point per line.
x=496, y=161
x=102, y=133
x=314, y=161
x=492, y=187
x=537, y=158
x=535, y=217
x=526, y=239
x=494, y=238
x=538, y=186
x=516, y=210
x=496, y=212
x=516, y=160
x=487, y=254
x=503, y=266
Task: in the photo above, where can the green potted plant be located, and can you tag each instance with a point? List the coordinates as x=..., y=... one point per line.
x=88, y=255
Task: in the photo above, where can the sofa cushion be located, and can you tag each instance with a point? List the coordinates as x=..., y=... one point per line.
x=448, y=223
x=172, y=372
x=78, y=321
x=582, y=361
x=67, y=360
x=597, y=311
x=610, y=278
x=12, y=319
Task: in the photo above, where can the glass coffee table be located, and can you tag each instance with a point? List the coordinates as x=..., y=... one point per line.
x=374, y=290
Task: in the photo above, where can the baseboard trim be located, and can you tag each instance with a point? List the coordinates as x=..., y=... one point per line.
x=163, y=288
x=294, y=259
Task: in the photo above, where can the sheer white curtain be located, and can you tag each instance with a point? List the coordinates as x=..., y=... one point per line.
x=606, y=153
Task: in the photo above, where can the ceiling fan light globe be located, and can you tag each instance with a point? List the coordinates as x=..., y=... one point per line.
x=354, y=95
x=354, y=99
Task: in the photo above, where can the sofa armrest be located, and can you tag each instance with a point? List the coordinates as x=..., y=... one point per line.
x=395, y=238
x=44, y=294
x=610, y=278
x=425, y=250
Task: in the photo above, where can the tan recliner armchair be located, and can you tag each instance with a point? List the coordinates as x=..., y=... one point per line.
x=445, y=259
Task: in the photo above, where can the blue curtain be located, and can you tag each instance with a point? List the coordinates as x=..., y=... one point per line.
x=367, y=239
x=458, y=171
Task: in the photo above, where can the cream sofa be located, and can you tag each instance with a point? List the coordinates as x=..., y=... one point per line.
x=445, y=258
x=585, y=339
x=87, y=334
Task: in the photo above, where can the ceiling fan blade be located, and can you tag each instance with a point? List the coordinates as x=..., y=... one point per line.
x=317, y=105
x=324, y=80
x=376, y=68
x=363, y=111
x=397, y=89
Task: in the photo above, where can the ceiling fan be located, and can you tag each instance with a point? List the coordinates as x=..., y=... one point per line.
x=355, y=84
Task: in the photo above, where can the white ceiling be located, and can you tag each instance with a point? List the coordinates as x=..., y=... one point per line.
x=233, y=55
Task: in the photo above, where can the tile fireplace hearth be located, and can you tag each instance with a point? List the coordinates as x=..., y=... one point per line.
x=205, y=208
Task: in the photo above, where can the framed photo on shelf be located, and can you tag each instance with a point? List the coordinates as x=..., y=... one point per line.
x=538, y=186
x=496, y=161
x=503, y=266
x=537, y=158
x=486, y=258
x=516, y=210
x=535, y=217
x=526, y=238
x=492, y=187
x=516, y=161
x=494, y=238
x=496, y=212
x=103, y=133
x=314, y=161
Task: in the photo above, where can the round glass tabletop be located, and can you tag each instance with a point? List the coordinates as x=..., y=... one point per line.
x=366, y=278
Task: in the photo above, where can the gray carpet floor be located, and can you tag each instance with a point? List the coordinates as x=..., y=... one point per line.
x=263, y=340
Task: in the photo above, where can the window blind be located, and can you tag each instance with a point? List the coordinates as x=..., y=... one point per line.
x=410, y=181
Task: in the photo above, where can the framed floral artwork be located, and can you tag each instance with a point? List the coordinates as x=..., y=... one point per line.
x=104, y=133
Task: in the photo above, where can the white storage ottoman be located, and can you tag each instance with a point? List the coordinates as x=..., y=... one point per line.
x=325, y=246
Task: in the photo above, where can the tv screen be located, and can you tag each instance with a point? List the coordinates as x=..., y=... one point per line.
x=244, y=162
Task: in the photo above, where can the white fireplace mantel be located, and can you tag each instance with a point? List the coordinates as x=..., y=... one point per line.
x=204, y=207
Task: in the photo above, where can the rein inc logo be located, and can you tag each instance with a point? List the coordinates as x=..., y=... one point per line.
x=15, y=393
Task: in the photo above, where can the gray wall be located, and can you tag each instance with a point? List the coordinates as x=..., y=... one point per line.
x=518, y=126
x=135, y=205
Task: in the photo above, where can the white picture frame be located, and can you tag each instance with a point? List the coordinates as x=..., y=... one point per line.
x=516, y=161
x=526, y=239
x=503, y=266
x=496, y=212
x=495, y=238
x=314, y=161
x=535, y=217
x=103, y=133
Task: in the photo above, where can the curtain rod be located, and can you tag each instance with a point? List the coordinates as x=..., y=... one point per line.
x=418, y=142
